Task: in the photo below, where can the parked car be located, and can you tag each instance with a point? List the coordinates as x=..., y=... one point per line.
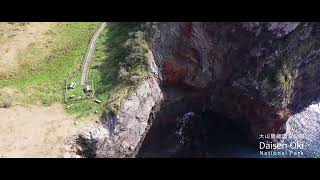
x=72, y=85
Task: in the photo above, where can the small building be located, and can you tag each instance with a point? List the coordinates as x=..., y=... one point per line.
x=72, y=85
x=87, y=89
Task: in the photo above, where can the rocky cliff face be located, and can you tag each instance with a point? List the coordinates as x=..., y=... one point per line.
x=119, y=135
x=258, y=72
x=255, y=73
x=128, y=127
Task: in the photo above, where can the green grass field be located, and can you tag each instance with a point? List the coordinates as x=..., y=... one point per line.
x=110, y=51
x=44, y=82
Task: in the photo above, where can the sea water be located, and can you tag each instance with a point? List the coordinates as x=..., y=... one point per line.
x=226, y=140
x=304, y=130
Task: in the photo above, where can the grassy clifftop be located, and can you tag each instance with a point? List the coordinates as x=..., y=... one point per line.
x=118, y=65
x=41, y=80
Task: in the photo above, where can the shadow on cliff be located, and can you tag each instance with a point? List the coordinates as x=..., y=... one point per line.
x=88, y=147
x=114, y=53
x=302, y=103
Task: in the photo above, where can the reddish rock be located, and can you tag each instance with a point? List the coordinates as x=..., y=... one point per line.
x=173, y=72
x=260, y=73
x=188, y=29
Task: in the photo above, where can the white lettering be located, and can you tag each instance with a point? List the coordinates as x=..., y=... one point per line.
x=262, y=145
x=296, y=145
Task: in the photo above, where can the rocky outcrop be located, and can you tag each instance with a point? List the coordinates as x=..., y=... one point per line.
x=260, y=73
x=128, y=127
x=119, y=135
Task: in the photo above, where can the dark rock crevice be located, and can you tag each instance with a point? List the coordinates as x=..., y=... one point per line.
x=182, y=132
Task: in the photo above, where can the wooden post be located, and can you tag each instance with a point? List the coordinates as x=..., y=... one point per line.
x=65, y=90
x=69, y=106
x=92, y=87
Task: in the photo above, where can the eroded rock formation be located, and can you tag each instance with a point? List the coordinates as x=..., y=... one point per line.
x=119, y=135
x=259, y=72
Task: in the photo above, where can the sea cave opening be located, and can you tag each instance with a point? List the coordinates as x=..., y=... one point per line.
x=196, y=133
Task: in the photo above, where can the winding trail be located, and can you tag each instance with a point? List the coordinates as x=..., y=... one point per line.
x=90, y=52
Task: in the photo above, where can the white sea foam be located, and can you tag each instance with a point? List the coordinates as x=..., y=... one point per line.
x=306, y=124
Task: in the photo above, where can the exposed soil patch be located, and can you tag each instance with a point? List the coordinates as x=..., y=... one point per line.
x=15, y=38
x=34, y=131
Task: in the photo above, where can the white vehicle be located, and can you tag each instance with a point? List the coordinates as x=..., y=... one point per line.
x=72, y=85
x=87, y=89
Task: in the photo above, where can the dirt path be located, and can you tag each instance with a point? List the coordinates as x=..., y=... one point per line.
x=34, y=131
x=15, y=38
x=92, y=46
